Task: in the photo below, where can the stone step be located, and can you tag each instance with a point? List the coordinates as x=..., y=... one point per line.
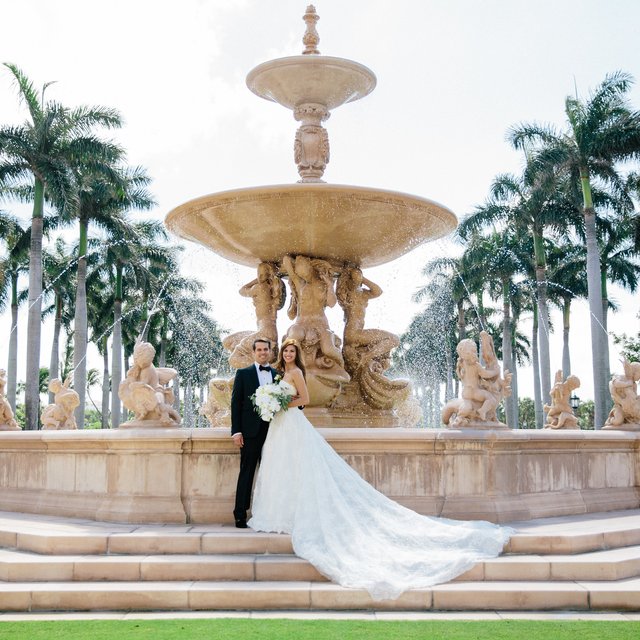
x=146, y=541
x=232, y=541
x=20, y=566
x=298, y=595
x=611, y=564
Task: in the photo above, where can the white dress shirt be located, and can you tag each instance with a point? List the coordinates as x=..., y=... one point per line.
x=264, y=377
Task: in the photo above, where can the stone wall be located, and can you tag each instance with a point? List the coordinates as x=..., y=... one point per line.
x=183, y=475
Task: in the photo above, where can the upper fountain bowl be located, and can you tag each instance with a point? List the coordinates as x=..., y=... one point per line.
x=305, y=79
x=363, y=226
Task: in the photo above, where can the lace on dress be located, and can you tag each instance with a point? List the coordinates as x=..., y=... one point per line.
x=349, y=531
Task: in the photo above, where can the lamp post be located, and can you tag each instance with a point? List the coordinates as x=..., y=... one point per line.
x=575, y=402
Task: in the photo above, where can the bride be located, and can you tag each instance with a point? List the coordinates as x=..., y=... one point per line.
x=348, y=530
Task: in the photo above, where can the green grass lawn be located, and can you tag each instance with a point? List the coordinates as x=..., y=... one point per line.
x=235, y=629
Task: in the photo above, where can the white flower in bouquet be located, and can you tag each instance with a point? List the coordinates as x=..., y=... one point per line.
x=271, y=398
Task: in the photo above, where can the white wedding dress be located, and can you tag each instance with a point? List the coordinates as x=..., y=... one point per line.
x=348, y=530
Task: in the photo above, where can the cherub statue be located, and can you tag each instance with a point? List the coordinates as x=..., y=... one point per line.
x=7, y=420
x=145, y=391
x=483, y=387
x=59, y=415
x=217, y=408
x=559, y=413
x=625, y=414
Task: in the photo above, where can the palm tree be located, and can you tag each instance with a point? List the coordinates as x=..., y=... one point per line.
x=567, y=281
x=619, y=264
x=126, y=261
x=14, y=264
x=102, y=201
x=42, y=152
x=56, y=267
x=535, y=204
x=496, y=257
x=100, y=301
x=445, y=317
x=602, y=131
x=195, y=347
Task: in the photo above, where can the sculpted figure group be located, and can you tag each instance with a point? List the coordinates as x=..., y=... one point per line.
x=483, y=387
x=268, y=294
x=7, y=421
x=367, y=351
x=559, y=412
x=343, y=374
x=625, y=414
x=59, y=415
x=146, y=393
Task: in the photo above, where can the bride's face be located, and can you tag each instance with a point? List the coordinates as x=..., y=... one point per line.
x=289, y=354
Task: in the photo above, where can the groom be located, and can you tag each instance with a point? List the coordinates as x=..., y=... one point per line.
x=248, y=431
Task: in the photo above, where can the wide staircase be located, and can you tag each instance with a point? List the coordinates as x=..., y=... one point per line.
x=587, y=562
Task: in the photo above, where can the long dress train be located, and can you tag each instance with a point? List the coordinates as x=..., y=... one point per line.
x=348, y=530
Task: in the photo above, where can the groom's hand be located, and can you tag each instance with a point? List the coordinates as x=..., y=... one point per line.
x=238, y=440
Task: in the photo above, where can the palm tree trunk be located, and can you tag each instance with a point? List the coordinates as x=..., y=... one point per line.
x=116, y=355
x=436, y=409
x=12, y=364
x=605, y=325
x=188, y=406
x=54, y=362
x=514, y=391
x=448, y=390
x=566, y=325
x=462, y=334
x=34, y=321
x=598, y=334
x=462, y=325
x=543, y=312
x=162, y=359
x=201, y=417
x=80, y=325
x=537, y=393
x=506, y=348
x=482, y=319
x=144, y=317
x=125, y=411
x=105, y=384
x=176, y=393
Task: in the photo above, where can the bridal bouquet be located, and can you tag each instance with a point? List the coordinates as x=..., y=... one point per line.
x=271, y=398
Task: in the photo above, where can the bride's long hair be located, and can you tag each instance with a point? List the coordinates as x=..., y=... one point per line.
x=279, y=365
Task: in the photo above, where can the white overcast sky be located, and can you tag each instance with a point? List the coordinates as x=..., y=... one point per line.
x=453, y=75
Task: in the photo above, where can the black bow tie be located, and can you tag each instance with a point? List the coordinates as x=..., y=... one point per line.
x=264, y=368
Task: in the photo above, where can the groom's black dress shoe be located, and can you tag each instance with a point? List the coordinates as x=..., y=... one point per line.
x=241, y=524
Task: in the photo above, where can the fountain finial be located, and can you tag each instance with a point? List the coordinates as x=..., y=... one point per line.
x=311, y=37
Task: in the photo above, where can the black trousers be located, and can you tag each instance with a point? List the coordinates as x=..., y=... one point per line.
x=249, y=458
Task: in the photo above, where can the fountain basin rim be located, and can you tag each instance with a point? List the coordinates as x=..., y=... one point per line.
x=336, y=222
x=295, y=80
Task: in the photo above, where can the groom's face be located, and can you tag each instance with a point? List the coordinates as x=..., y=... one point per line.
x=262, y=353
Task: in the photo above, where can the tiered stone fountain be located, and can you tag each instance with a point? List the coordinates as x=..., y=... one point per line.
x=318, y=237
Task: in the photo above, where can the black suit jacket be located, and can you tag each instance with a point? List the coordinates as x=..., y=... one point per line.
x=244, y=417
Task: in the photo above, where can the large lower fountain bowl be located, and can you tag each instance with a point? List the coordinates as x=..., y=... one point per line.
x=367, y=227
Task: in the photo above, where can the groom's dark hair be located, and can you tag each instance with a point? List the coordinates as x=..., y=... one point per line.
x=265, y=340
